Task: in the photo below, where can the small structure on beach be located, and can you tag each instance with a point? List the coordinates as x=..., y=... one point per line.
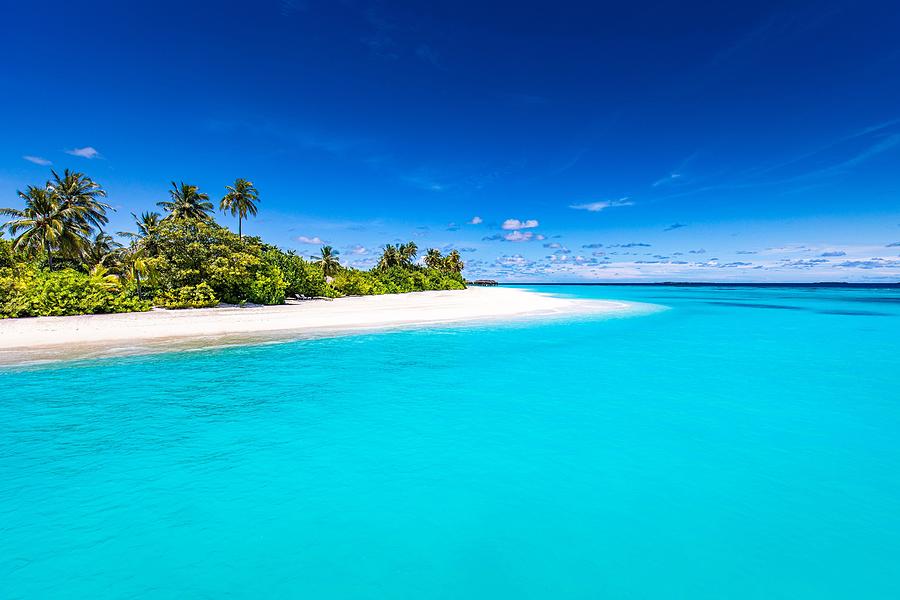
x=483, y=282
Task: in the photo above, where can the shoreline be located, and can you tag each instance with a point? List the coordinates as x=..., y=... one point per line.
x=49, y=339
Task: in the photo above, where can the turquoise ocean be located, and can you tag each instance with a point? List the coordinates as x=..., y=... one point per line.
x=743, y=443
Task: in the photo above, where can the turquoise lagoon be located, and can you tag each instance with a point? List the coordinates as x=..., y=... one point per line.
x=744, y=443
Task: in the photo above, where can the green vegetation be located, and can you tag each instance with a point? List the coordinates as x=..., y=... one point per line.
x=61, y=261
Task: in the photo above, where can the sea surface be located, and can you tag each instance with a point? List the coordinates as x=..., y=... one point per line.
x=744, y=443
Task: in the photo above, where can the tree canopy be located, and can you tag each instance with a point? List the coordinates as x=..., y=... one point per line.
x=60, y=260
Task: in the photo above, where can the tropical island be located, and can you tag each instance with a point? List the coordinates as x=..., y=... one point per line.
x=99, y=289
x=60, y=260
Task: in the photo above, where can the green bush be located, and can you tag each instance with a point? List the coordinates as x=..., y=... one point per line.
x=6, y=252
x=302, y=277
x=187, y=263
x=394, y=280
x=268, y=287
x=26, y=291
x=188, y=296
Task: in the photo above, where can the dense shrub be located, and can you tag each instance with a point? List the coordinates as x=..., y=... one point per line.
x=6, y=253
x=188, y=296
x=26, y=291
x=188, y=263
x=188, y=253
x=302, y=277
x=394, y=280
x=268, y=287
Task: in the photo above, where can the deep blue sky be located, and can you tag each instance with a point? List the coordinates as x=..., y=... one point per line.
x=705, y=141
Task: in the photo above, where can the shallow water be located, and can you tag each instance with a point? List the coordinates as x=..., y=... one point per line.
x=743, y=444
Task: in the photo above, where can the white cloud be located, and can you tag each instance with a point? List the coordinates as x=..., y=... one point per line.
x=601, y=205
x=476, y=221
x=310, y=240
x=358, y=249
x=86, y=152
x=523, y=236
x=517, y=224
x=38, y=160
x=669, y=179
x=516, y=260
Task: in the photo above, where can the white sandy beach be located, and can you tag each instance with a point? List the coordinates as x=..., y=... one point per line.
x=48, y=338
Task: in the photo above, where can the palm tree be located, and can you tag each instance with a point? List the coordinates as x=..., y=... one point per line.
x=389, y=258
x=433, y=259
x=147, y=225
x=453, y=263
x=328, y=261
x=147, y=229
x=408, y=252
x=135, y=265
x=101, y=251
x=46, y=225
x=78, y=191
x=241, y=200
x=187, y=203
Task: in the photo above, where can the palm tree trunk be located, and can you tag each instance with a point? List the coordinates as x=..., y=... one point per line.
x=240, y=235
x=49, y=256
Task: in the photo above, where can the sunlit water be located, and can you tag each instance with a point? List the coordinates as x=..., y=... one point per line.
x=743, y=444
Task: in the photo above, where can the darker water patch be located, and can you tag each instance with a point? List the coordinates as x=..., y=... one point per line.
x=757, y=305
x=875, y=300
x=860, y=313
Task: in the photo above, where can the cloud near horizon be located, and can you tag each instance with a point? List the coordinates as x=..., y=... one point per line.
x=310, y=240
x=602, y=204
x=88, y=152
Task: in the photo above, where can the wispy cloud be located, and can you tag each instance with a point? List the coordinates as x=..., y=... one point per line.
x=674, y=226
x=38, y=160
x=515, y=236
x=523, y=236
x=424, y=180
x=381, y=39
x=331, y=143
x=602, y=205
x=427, y=54
x=517, y=224
x=88, y=152
x=289, y=7
x=812, y=168
x=310, y=240
x=667, y=179
x=476, y=221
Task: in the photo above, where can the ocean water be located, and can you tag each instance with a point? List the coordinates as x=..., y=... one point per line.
x=744, y=443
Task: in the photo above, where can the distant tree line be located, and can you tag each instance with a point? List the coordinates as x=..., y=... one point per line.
x=60, y=259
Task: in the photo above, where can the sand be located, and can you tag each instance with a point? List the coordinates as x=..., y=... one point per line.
x=55, y=338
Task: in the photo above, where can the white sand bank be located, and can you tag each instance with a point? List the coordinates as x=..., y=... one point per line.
x=51, y=338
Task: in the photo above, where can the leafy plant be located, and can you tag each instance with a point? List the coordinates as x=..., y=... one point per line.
x=188, y=296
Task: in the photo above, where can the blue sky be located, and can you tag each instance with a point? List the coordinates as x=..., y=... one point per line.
x=547, y=141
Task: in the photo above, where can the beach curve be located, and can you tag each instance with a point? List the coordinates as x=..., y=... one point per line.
x=42, y=339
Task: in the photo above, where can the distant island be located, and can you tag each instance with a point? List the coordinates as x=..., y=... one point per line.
x=60, y=260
